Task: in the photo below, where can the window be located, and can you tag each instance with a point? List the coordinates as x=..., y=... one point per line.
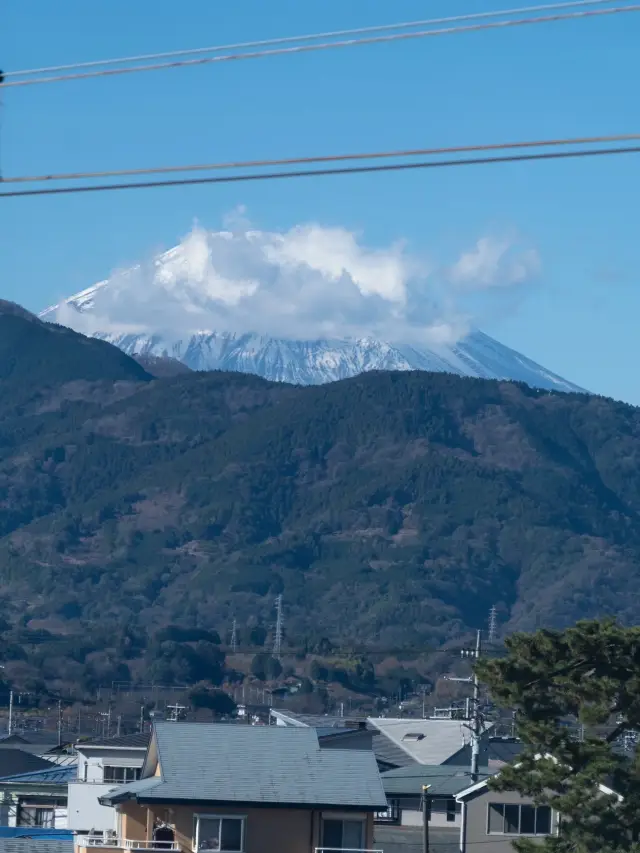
x=34, y=816
x=120, y=775
x=451, y=810
x=343, y=833
x=506, y=819
x=215, y=833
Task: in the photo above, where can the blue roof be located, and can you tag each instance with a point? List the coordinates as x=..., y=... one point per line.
x=35, y=832
x=57, y=775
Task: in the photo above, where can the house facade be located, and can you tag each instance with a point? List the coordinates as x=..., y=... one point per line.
x=216, y=787
x=103, y=764
x=404, y=787
x=37, y=799
x=490, y=820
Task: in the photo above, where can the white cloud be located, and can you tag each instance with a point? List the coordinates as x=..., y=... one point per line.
x=307, y=283
x=494, y=263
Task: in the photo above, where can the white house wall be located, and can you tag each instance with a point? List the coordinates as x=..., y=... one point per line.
x=85, y=812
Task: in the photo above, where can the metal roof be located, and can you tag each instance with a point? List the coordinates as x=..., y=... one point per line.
x=445, y=781
x=60, y=774
x=133, y=741
x=424, y=741
x=14, y=761
x=290, y=718
x=36, y=845
x=277, y=765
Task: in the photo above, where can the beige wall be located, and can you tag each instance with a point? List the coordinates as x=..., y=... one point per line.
x=134, y=822
x=278, y=830
x=476, y=821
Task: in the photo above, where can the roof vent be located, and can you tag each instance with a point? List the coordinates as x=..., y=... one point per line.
x=413, y=736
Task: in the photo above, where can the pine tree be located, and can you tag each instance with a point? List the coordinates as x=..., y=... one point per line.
x=589, y=674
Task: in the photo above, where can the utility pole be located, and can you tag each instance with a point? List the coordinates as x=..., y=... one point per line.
x=493, y=624
x=59, y=722
x=476, y=723
x=426, y=814
x=234, y=637
x=277, y=643
x=10, y=726
x=141, y=719
x=119, y=725
x=476, y=720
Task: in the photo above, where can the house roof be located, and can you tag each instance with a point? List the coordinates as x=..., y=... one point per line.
x=23, y=839
x=57, y=775
x=444, y=780
x=133, y=741
x=36, y=845
x=424, y=741
x=290, y=718
x=279, y=765
x=503, y=750
x=386, y=752
x=14, y=761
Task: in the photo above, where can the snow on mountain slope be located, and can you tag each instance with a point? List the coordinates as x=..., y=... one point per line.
x=178, y=307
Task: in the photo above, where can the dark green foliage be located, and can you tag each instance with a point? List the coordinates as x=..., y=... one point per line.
x=265, y=667
x=391, y=510
x=590, y=673
x=257, y=636
x=220, y=703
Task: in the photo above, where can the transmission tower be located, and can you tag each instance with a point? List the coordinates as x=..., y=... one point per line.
x=277, y=643
x=234, y=637
x=493, y=624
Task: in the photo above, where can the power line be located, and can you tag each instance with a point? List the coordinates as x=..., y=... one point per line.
x=308, y=48
x=295, y=161
x=310, y=173
x=307, y=37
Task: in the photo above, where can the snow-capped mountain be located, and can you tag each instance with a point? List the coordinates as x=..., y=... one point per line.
x=214, y=270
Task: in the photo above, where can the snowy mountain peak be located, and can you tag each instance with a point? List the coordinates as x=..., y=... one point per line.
x=307, y=306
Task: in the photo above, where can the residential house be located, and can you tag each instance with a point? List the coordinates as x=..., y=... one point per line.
x=407, y=741
x=404, y=786
x=103, y=764
x=246, y=789
x=36, y=799
x=495, y=818
x=491, y=818
x=333, y=732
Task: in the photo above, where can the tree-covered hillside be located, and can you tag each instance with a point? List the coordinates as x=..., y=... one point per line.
x=389, y=510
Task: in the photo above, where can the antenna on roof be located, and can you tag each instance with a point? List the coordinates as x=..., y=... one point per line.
x=176, y=712
x=277, y=643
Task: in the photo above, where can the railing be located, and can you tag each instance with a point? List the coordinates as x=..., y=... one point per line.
x=125, y=843
x=346, y=850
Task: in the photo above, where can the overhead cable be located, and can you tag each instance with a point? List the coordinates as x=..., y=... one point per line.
x=474, y=16
x=308, y=48
x=327, y=158
x=310, y=173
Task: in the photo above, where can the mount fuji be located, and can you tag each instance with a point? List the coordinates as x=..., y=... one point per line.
x=197, y=281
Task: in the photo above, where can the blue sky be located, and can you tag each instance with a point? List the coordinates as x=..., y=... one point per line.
x=578, y=318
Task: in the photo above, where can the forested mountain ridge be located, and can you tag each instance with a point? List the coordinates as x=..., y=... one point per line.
x=391, y=509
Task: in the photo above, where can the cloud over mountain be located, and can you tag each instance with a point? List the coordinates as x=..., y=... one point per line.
x=310, y=282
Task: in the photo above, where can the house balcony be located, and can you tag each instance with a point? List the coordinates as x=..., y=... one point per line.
x=92, y=843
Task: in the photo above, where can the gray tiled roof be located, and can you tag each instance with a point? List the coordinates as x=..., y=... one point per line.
x=36, y=845
x=386, y=752
x=445, y=780
x=255, y=764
